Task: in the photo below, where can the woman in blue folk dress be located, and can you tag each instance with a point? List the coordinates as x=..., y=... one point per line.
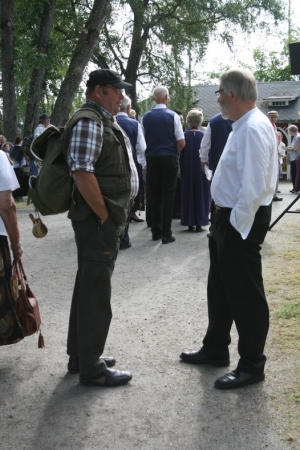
x=195, y=193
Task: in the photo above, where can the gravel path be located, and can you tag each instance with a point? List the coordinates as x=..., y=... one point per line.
x=159, y=308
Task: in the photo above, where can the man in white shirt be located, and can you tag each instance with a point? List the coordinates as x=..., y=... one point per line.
x=135, y=134
x=242, y=189
x=44, y=122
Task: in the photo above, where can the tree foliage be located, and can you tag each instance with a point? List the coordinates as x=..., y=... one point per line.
x=147, y=41
x=54, y=40
x=159, y=37
x=273, y=66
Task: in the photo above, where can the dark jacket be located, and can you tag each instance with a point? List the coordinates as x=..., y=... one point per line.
x=220, y=130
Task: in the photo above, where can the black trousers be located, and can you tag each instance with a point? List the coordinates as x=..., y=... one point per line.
x=162, y=179
x=90, y=315
x=235, y=291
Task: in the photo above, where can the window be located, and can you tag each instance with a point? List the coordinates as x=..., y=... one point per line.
x=279, y=103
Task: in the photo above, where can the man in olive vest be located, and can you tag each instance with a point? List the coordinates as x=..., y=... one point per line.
x=105, y=181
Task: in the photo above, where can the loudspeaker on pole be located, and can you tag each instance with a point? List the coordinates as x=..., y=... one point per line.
x=294, y=50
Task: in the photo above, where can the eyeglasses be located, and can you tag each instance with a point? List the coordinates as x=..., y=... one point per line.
x=117, y=90
x=217, y=93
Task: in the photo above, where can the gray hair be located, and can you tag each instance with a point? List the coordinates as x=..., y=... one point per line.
x=160, y=91
x=194, y=118
x=293, y=128
x=241, y=82
x=125, y=103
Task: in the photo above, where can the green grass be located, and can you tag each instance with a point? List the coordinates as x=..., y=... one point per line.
x=282, y=283
x=21, y=204
x=289, y=310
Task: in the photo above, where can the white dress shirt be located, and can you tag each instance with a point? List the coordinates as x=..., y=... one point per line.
x=39, y=130
x=205, y=144
x=134, y=177
x=140, y=144
x=246, y=175
x=281, y=151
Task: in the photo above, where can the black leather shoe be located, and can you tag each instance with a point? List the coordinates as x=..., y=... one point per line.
x=199, y=229
x=277, y=199
x=73, y=364
x=108, y=378
x=168, y=240
x=125, y=246
x=156, y=236
x=235, y=380
x=198, y=357
x=135, y=218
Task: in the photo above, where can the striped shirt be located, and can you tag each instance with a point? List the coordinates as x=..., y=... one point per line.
x=86, y=144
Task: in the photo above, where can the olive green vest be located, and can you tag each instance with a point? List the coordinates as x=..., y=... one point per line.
x=112, y=169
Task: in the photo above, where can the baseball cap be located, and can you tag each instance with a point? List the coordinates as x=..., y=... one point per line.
x=43, y=117
x=104, y=77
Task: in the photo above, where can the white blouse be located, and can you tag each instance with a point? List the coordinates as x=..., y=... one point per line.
x=8, y=182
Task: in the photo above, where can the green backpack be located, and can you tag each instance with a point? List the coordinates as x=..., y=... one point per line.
x=51, y=190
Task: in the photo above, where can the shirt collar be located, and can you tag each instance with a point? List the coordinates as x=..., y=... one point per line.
x=159, y=105
x=106, y=114
x=244, y=118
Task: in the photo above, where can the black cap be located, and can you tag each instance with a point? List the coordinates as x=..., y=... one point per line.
x=104, y=77
x=43, y=117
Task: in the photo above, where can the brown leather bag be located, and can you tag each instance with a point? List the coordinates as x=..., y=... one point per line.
x=27, y=308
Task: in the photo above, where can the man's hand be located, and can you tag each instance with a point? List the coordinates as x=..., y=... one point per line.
x=203, y=164
x=180, y=145
x=88, y=187
x=104, y=218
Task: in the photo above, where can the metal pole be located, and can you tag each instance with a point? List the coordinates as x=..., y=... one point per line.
x=286, y=211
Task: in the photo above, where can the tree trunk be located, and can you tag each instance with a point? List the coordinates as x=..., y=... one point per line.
x=81, y=56
x=140, y=37
x=10, y=126
x=38, y=73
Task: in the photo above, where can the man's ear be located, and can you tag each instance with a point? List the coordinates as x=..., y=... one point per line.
x=98, y=91
x=233, y=96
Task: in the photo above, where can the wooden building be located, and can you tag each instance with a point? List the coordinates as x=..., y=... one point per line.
x=282, y=96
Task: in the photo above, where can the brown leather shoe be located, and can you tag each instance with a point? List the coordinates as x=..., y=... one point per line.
x=108, y=378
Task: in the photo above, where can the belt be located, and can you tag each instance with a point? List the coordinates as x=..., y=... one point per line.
x=222, y=208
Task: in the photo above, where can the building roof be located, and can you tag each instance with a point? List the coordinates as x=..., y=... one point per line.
x=283, y=96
